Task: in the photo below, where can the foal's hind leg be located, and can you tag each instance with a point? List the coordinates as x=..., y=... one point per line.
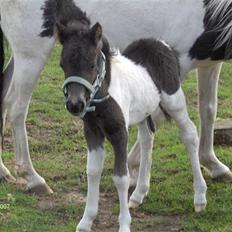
x=134, y=155
x=146, y=143
x=175, y=105
x=208, y=83
x=134, y=162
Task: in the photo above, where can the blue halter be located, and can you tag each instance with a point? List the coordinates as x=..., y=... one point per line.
x=93, y=89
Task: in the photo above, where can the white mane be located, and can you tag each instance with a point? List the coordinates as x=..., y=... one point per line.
x=221, y=14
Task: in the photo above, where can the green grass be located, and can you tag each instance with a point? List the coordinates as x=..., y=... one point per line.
x=58, y=151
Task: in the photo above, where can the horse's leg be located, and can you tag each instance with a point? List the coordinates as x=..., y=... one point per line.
x=16, y=102
x=142, y=187
x=208, y=83
x=30, y=51
x=176, y=107
x=95, y=165
x=8, y=72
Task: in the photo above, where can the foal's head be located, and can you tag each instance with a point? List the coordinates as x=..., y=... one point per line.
x=79, y=60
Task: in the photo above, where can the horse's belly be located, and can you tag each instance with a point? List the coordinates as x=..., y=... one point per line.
x=142, y=106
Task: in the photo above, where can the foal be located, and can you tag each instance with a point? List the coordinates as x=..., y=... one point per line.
x=110, y=92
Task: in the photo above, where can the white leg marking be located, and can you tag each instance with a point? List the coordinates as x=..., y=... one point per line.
x=133, y=163
x=122, y=185
x=143, y=184
x=176, y=107
x=208, y=84
x=94, y=170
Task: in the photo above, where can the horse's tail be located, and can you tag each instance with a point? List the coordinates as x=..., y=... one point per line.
x=1, y=79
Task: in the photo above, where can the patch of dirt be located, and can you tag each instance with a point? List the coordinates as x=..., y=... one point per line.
x=56, y=200
x=47, y=204
x=107, y=219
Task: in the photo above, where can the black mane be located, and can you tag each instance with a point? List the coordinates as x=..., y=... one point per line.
x=64, y=11
x=208, y=43
x=107, y=52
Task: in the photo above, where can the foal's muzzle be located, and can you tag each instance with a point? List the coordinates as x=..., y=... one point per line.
x=75, y=107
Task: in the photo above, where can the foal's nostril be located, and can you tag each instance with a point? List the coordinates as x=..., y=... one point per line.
x=76, y=107
x=81, y=106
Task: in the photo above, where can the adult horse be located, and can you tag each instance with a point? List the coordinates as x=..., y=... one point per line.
x=200, y=30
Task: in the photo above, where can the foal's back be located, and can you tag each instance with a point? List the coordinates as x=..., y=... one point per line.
x=148, y=67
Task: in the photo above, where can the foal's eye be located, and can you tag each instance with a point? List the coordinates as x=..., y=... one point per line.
x=92, y=66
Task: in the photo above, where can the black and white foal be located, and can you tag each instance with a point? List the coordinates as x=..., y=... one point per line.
x=110, y=92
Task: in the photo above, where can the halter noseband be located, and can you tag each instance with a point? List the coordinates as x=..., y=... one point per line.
x=93, y=89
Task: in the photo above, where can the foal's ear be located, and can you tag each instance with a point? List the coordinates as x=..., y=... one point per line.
x=96, y=33
x=62, y=31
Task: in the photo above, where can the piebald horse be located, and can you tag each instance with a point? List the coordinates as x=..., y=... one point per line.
x=199, y=30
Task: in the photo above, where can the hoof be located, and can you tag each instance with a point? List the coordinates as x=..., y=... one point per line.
x=200, y=208
x=133, y=204
x=80, y=230
x=39, y=190
x=226, y=177
x=8, y=178
x=124, y=229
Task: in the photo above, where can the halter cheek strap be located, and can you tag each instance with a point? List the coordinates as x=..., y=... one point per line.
x=93, y=89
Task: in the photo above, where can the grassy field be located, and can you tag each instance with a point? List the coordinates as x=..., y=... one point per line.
x=58, y=151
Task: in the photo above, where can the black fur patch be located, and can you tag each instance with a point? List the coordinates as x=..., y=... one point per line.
x=60, y=10
x=108, y=121
x=161, y=63
x=204, y=47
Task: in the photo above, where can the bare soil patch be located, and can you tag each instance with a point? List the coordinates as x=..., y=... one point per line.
x=107, y=219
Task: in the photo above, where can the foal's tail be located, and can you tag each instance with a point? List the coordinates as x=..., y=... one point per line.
x=1, y=79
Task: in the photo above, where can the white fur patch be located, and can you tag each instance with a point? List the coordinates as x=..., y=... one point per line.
x=133, y=89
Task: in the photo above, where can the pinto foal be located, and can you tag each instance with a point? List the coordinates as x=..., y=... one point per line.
x=110, y=92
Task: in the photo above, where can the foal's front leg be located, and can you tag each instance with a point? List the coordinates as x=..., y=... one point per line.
x=118, y=139
x=95, y=164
